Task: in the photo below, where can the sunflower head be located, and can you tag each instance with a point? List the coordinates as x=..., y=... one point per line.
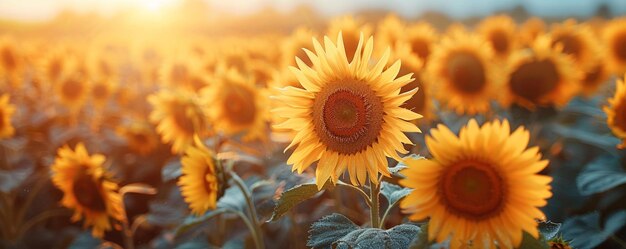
x=461, y=68
x=421, y=38
x=73, y=91
x=614, y=36
x=6, y=114
x=178, y=117
x=237, y=106
x=86, y=188
x=201, y=183
x=348, y=115
x=541, y=76
x=140, y=137
x=500, y=32
x=102, y=90
x=530, y=30
x=576, y=40
x=616, y=112
x=481, y=188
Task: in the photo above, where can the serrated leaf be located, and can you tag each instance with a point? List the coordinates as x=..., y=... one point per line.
x=327, y=230
x=393, y=192
x=585, y=232
x=549, y=229
x=397, y=237
x=600, y=175
x=293, y=197
x=529, y=242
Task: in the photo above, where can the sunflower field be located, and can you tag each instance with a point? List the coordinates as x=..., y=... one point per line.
x=194, y=128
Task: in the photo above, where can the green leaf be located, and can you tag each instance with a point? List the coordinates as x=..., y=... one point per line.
x=294, y=196
x=393, y=192
x=327, y=230
x=585, y=231
x=11, y=179
x=171, y=170
x=529, y=242
x=396, y=237
x=605, y=142
x=549, y=229
x=600, y=175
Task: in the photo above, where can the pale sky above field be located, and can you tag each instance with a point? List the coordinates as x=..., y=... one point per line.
x=38, y=10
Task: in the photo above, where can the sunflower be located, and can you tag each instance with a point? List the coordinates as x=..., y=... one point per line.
x=577, y=41
x=238, y=106
x=351, y=31
x=175, y=73
x=72, y=91
x=199, y=183
x=140, y=137
x=500, y=32
x=6, y=113
x=178, y=117
x=482, y=188
x=541, y=76
x=530, y=30
x=595, y=76
x=348, y=115
x=616, y=112
x=461, y=68
x=614, y=36
x=102, y=90
x=294, y=47
x=86, y=188
x=389, y=31
x=421, y=37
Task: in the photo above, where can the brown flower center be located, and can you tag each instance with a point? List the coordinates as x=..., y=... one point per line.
x=593, y=76
x=239, y=106
x=347, y=116
x=100, y=91
x=466, y=72
x=619, y=46
x=472, y=190
x=183, y=121
x=72, y=89
x=421, y=47
x=499, y=41
x=88, y=192
x=534, y=79
x=55, y=69
x=620, y=115
x=572, y=44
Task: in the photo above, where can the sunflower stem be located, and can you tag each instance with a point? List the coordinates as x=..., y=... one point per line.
x=258, y=238
x=375, y=204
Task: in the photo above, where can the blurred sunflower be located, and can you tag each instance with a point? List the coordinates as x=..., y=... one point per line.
x=102, y=90
x=72, y=91
x=348, y=116
x=237, y=106
x=541, y=76
x=175, y=73
x=6, y=113
x=482, y=188
x=530, y=30
x=616, y=112
x=178, y=117
x=421, y=37
x=577, y=41
x=11, y=63
x=140, y=137
x=351, y=31
x=461, y=69
x=500, y=31
x=86, y=188
x=614, y=36
x=199, y=183
x=595, y=76
x=294, y=46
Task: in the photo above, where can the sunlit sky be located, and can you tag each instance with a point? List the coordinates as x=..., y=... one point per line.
x=39, y=10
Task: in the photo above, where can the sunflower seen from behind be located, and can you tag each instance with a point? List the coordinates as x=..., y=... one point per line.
x=178, y=116
x=481, y=188
x=237, y=106
x=347, y=115
x=199, y=183
x=87, y=188
x=6, y=114
x=462, y=71
x=616, y=112
x=541, y=76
